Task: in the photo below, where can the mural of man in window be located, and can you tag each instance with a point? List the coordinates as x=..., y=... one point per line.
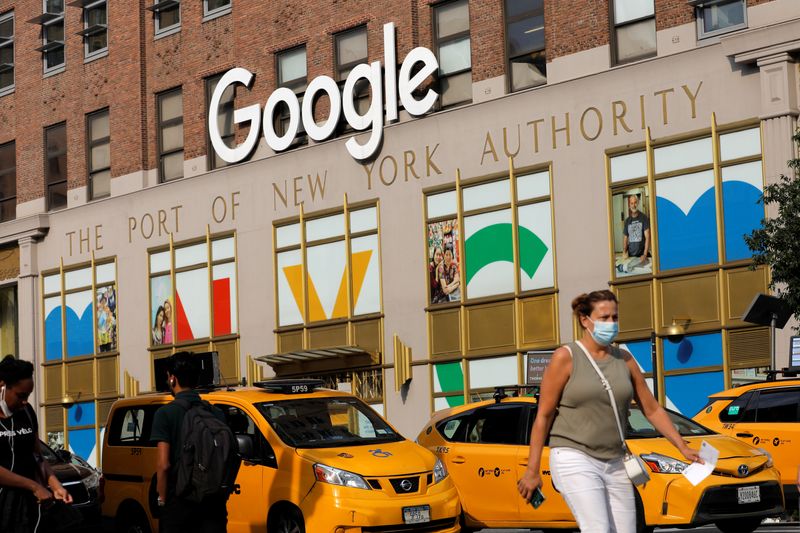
x=636, y=236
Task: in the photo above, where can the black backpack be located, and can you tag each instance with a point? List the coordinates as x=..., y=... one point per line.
x=209, y=460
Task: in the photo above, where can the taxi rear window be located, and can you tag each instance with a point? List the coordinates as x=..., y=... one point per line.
x=326, y=422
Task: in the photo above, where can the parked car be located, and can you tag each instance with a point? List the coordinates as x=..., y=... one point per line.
x=314, y=460
x=485, y=449
x=84, y=482
x=764, y=414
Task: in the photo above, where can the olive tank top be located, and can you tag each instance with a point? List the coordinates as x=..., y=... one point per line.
x=585, y=420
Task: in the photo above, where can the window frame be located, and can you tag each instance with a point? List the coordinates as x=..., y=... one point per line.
x=97, y=29
x=51, y=19
x=507, y=21
x=700, y=10
x=160, y=31
x=437, y=44
x=9, y=15
x=4, y=172
x=614, y=26
x=94, y=143
x=361, y=89
x=209, y=14
x=161, y=125
x=47, y=157
x=296, y=85
x=228, y=107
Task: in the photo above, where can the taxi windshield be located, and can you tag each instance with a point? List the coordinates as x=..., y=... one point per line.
x=327, y=422
x=641, y=428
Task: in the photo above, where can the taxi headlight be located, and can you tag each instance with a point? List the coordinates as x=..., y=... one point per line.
x=439, y=471
x=662, y=464
x=769, y=457
x=336, y=476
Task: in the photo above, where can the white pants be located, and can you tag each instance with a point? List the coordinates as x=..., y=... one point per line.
x=598, y=493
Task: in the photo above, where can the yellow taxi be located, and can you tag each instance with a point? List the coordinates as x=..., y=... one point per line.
x=766, y=415
x=314, y=460
x=485, y=449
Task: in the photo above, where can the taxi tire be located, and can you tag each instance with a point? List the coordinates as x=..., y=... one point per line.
x=287, y=520
x=132, y=520
x=739, y=525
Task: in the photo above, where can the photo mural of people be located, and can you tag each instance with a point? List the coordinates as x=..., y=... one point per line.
x=161, y=310
x=106, y=319
x=443, y=260
x=632, y=239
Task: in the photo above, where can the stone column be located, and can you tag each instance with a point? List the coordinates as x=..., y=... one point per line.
x=27, y=309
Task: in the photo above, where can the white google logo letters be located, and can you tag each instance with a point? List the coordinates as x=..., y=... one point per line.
x=395, y=85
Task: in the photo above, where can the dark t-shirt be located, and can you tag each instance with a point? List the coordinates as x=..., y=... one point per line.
x=168, y=422
x=634, y=229
x=19, y=433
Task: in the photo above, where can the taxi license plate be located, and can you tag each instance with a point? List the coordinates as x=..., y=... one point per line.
x=418, y=514
x=749, y=494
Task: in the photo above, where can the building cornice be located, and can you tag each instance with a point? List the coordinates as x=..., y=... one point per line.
x=33, y=227
x=749, y=46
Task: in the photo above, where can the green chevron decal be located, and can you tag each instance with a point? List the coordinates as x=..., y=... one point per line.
x=493, y=243
x=451, y=379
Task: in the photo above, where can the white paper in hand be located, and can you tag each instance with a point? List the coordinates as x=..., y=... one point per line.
x=697, y=472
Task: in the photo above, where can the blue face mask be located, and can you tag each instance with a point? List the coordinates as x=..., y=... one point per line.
x=604, y=333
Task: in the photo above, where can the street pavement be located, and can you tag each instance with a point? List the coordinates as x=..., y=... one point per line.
x=784, y=527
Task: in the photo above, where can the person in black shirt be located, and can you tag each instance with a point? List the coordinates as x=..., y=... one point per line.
x=23, y=473
x=636, y=232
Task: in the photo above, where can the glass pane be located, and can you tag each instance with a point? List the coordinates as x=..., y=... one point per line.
x=366, y=275
x=287, y=235
x=191, y=255
x=351, y=46
x=6, y=79
x=441, y=204
x=159, y=262
x=57, y=196
x=172, y=166
x=224, y=296
x=79, y=328
x=7, y=28
x=683, y=155
x=170, y=105
x=217, y=4
x=443, y=257
x=363, y=220
x=636, y=40
x=535, y=237
x=452, y=18
x=628, y=166
x=169, y=17
x=192, y=306
x=528, y=71
x=8, y=157
x=457, y=89
x=54, y=58
x=222, y=249
x=57, y=139
x=7, y=55
x=454, y=56
x=100, y=157
x=54, y=6
x=489, y=258
x=525, y=35
x=98, y=126
x=326, y=273
x=493, y=372
x=323, y=228
x=106, y=299
x=533, y=185
x=78, y=278
x=723, y=15
x=625, y=10
x=161, y=310
x=487, y=195
x=52, y=283
x=54, y=32
x=292, y=65
x=290, y=288
x=8, y=210
x=740, y=144
x=742, y=213
x=101, y=184
x=105, y=273
x=632, y=235
x=57, y=168
x=172, y=137
x=515, y=8
x=96, y=15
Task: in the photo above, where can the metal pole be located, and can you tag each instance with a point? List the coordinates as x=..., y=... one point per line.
x=654, y=362
x=772, y=324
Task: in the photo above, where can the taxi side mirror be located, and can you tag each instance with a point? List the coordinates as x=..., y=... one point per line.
x=246, y=447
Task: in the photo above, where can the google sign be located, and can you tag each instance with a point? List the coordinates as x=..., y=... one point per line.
x=395, y=85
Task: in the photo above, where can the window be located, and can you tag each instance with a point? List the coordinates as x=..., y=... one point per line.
x=6, y=52
x=351, y=50
x=216, y=7
x=737, y=410
x=8, y=181
x=56, y=166
x=497, y=425
x=167, y=16
x=95, y=28
x=98, y=150
x=778, y=406
x=131, y=426
x=455, y=429
x=256, y=448
x=634, y=30
x=525, y=43
x=292, y=73
x=170, y=134
x=715, y=17
x=52, y=21
x=451, y=31
x=224, y=120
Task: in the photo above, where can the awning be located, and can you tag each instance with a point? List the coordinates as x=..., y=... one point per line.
x=304, y=356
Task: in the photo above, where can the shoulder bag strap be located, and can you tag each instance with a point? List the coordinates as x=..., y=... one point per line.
x=607, y=387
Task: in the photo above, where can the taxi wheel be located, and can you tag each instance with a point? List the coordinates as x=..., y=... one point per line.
x=739, y=525
x=132, y=521
x=288, y=521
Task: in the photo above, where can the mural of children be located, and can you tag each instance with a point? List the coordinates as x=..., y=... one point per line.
x=167, y=321
x=158, y=326
x=437, y=293
x=449, y=276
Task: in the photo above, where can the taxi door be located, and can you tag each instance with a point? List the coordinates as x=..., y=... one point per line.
x=247, y=506
x=483, y=465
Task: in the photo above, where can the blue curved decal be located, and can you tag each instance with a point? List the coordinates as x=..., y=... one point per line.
x=79, y=332
x=693, y=351
x=687, y=240
x=52, y=335
x=742, y=214
x=689, y=392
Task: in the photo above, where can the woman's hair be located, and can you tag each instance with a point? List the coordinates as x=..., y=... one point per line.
x=583, y=304
x=159, y=311
x=13, y=370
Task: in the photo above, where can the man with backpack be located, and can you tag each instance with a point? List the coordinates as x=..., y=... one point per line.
x=197, y=455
